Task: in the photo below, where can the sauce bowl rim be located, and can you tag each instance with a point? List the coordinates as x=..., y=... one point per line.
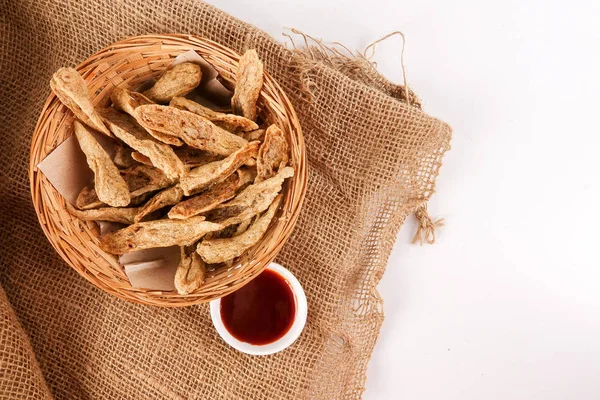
x=280, y=344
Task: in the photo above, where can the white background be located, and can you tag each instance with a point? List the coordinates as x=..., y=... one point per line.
x=506, y=305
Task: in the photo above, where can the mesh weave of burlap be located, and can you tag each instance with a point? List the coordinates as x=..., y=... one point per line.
x=372, y=160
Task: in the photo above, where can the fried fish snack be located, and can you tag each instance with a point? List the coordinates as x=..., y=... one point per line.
x=251, y=201
x=206, y=175
x=249, y=81
x=145, y=178
x=167, y=197
x=123, y=158
x=159, y=233
x=186, y=104
x=273, y=154
x=139, y=157
x=165, y=138
x=141, y=180
x=215, y=251
x=206, y=200
x=192, y=157
x=127, y=101
x=247, y=175
x=226, y=232
x=109, y=184
x=230, y=231
x=112, y=214
x=127, y=129
x=88, y=199
x=212, y=197
x=177, y=81
x=72, y=91
x=191, y=271
x=229, y=122
x=258, y=134
x=242, y=227
x=194, y=130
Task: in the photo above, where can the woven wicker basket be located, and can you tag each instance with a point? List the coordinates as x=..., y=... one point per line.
x=137, y=60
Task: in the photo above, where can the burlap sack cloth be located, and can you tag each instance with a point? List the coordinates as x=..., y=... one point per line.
x=373, y=160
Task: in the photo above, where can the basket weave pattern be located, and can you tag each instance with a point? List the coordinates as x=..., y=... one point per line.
x=137, y=60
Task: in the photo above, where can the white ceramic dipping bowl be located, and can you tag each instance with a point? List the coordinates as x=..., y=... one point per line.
x=282, y=343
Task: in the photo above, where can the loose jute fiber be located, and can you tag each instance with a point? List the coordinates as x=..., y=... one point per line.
x=373, y=158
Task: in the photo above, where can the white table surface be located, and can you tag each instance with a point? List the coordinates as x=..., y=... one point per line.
x=506, y=305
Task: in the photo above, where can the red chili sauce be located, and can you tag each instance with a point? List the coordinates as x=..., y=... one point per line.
x=261, y=312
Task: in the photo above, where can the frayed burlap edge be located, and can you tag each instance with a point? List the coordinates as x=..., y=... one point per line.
x=359, y=67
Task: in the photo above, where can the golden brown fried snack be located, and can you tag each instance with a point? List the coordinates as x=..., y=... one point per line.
x=247, y=175
x=229, y=122
x=242, y=227
x=109, y=184
x=226, y=232
x=88, y=199
x=273, y=154
x=127, y=101
x=72, y=91
x=251, y=201
x=206, y=200
x=144, y=178
x=141, y=180
x=189, y=105
x=178, y=81
x=165, y=138
x=123, y=158
x=139, y=157
x=167, y=197
x=112, y=214
x=249, y=81
x=258, y=134
x=230, y=231
x=206, y=175
x=196, y=131
x=221, y=250
x=159, y=233
x=191, y=271
x=212, y=197
x=191, y=157
x=127, y=129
